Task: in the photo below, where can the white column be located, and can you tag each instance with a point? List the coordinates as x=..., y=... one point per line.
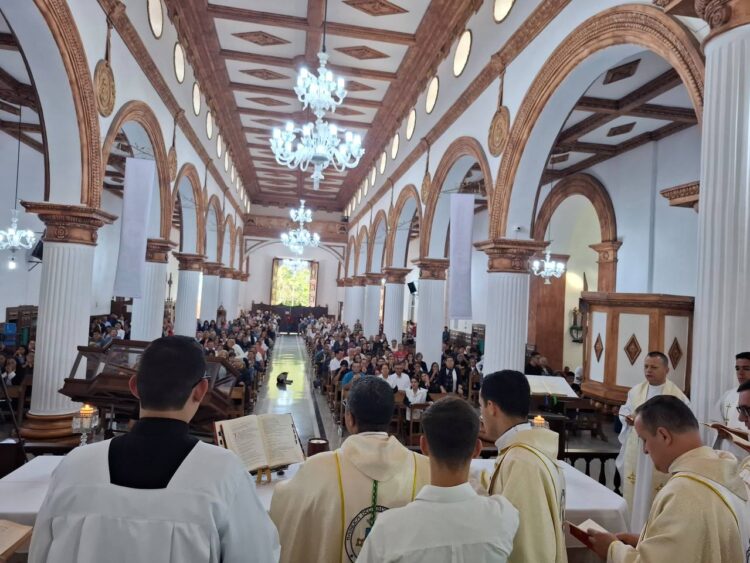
x=148, y=311
x=64, y=307
x=235, y=296
x=431, y=308
x=371, y=320
x=393, y=308
x=188, y=288
x=506, y=328
x=348, y=304
x=722, y=307
x=225, y=292
x=358, y=301
x=210, y=291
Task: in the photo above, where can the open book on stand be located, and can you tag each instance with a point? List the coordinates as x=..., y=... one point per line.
x=261, y=441
x=550, y=385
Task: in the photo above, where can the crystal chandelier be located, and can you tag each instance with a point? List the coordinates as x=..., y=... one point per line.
x=13, y=238
x=301, y=214
x=320, y=93
x=295, y=264
x=547, y=268
x=300, y=238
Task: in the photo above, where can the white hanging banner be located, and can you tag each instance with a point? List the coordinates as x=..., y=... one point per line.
x=140, y=181
x=459, y=271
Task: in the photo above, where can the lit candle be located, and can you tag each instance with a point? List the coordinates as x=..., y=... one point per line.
x=86, y=413
x=538, y=421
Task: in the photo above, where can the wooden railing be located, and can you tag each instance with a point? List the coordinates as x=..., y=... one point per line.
x=572, y=456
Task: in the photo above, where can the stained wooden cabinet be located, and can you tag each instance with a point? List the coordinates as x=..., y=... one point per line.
x=24, y=317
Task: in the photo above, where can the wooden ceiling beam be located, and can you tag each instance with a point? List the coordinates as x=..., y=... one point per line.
x=27, y=127
x=8, y=42
x=293, y=63
x=593, y=148
x=287, y=93
x=304, y=24
x=651, y=111
x=299, y=117
x=25, y=139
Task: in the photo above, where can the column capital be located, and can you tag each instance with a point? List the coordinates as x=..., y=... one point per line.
x=373, y=278
x=721, y=15
x=432, y=268
x=236, y=275
x=510, y=255
x=396, y=275
x=607, y=250
x=225, y=273
x=341, y=282
x=74, y=224
x=244, y=277
x=358, y=281
x=211, y=268
x=190, y=262
x=157, y=250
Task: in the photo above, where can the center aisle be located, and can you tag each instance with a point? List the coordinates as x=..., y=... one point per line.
x=298, y=398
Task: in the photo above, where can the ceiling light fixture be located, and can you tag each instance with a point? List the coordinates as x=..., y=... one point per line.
x=300, y=238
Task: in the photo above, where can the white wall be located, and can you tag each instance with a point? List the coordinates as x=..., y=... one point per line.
x=261, y=265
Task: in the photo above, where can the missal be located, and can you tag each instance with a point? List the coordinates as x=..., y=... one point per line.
x=580, y=532
x=550, y=385
x=12, y=537
x=261, y=441
x=738, y=436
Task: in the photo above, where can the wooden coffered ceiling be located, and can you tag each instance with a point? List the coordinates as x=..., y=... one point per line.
x=247, y=55
x=639, y=100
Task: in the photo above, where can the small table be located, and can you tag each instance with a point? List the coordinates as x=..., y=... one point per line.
x=23, y=490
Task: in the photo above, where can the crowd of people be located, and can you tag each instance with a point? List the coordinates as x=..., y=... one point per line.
x=17, y=364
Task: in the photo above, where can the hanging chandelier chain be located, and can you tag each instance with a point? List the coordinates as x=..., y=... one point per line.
x=18, y=155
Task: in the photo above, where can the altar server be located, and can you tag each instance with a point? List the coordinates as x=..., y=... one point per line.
x=702, y=513
x=640, y=482
x=725, y=411
x=156, y=494
x=526, y=470
x=325, y=512
x=448, y=522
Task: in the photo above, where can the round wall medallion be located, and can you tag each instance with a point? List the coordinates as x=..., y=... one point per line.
x=426, y=184
x=172, y=163
x=499, y=128
x=104, y=85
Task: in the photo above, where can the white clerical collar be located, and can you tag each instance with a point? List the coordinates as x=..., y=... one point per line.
x=459, y=493
x=504, y=440
x=379, y=434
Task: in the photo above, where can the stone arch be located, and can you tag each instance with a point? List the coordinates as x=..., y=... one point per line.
x=375, y=263
x=361, y=246
x=213, y=205
x=189, y=174
x=461, y=147
x=409, y=193
x=140, y=113
x=630, y=24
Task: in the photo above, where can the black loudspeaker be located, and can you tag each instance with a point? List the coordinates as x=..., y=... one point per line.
x=412, y=287
x=38, y=250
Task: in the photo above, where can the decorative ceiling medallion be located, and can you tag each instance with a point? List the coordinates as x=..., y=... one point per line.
x=559, y=158
x=104, y=86
x=632, y=349
x=376, y=7
x=675, y=353
x=354, y=86
x=598, y=348
x=261, y=38
x=621, y=72
x=348, y=111
x=499, y=130
x=172, y=163
x=362, y=52
x=621, y=129
x=269, y=122
x=265, y=74
x=266, y=101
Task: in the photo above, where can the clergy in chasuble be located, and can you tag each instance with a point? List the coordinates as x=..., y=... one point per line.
x=325, y=512
x=702, y=514
x=526, y=470
x=640, y=481
x=725, y=410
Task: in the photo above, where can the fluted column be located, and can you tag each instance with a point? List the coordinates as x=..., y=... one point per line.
x=507, y=301
x=236, y=293
x=64, y=308
x=371, y=320
x=348, y=303
x=430, y=308
x=393, y=308
x=188, y=288
x=225, y=291
x=210, y=291
x=722, y=306
x=358, y=300
x=148, y=311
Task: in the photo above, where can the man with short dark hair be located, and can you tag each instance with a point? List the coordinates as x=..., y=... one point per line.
x=725, y=410
x=702, y=513
x=640, y=482
x=398, y=379
x=156, y=493
x=370, y=472
x=526, y=470
x=448, y=521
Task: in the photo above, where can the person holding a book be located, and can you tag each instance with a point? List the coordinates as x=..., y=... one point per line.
x=448, y=521
x=725, y=410
x=326, y=510
x=640, y=481
x=526, y=470
x=156, y=493
x=702, y=513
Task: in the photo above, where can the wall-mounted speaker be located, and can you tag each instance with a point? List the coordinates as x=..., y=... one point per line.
x=412, y=287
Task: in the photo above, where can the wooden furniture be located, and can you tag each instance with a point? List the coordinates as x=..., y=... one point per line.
x=24, y=317
x=621, y=328
x=415, y=428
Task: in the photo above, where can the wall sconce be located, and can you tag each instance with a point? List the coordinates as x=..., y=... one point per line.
x=576, y=327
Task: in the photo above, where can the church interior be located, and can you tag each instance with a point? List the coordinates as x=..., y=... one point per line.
x=433, y=193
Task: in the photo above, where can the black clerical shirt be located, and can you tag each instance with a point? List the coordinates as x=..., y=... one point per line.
x=150, y=454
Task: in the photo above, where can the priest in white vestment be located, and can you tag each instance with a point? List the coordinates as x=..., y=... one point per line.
x=156, y=494
x=640, y=482
x=526, y=470
x=702, y=514
x=325, y=512
x=448, y=522
x=725, y=410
